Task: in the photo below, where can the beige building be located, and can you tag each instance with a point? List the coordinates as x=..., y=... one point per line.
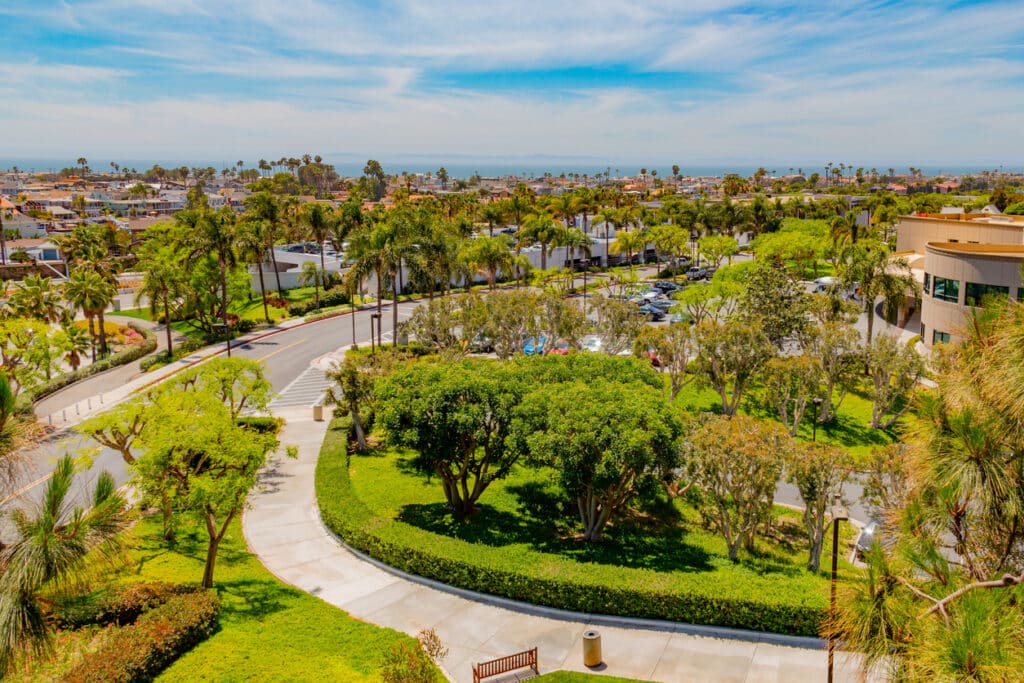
x=959, y=259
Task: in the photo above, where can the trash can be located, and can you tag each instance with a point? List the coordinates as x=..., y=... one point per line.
x=591, y=648
x=318, y=413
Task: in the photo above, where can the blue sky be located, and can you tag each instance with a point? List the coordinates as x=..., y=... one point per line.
x=868, y=83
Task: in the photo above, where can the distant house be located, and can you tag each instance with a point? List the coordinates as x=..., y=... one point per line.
x=39, y=249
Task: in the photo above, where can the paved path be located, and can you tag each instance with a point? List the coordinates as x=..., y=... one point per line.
x=283, y=528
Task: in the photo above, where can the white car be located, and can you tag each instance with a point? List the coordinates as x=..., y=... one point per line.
x=591, y=342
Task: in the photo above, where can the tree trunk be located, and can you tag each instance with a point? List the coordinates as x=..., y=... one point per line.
x=263, y=291
x=215, y=538
x=103, y=336
x=167, y=510
x=273, y=260
x=357, y=427
x=167, y=327
x=394, y=311
x=224, y=301
x=92, y=336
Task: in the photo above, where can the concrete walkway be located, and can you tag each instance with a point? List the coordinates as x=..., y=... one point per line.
x=283, y=528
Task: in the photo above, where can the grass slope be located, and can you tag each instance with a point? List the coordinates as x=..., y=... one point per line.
x=269, y=630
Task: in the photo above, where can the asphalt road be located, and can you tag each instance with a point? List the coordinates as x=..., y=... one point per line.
x=286, y=355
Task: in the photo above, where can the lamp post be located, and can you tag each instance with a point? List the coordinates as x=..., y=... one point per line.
x=817, y=401
x=839, y=514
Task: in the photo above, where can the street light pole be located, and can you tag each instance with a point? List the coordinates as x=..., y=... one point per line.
x=839, y=514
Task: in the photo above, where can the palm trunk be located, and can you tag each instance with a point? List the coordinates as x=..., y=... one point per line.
x=167, y=326
x=394, y=311
x=273, y=260
x=224, y=301
x=92, y=336
x=263, y=291
x=103, y=335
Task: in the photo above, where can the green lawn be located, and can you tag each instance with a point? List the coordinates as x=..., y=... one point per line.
x=850, y=428
x=269, y=631
x=576, y=677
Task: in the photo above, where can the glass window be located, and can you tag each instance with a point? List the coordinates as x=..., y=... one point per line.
x=927, y=283
x=975, y=291
x=945, y=289
x=1020, y=294
x=940, y=337
x=923, y=329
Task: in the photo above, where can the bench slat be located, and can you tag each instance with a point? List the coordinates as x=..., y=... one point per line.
x=501, y=665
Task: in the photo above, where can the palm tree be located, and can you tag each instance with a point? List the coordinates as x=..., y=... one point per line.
x=52, y=544
x=319, y=220
x=610, y=217
x=252, y=247
x=311, y=274
x=36, y=297
x=488, y=255
x=845, y=229
x=869, y=265
x=92, y=292
x=76, y=342
x=631, y=242
x=541, y=229
x=162, y=283
x=266, y=207
x=493, y=213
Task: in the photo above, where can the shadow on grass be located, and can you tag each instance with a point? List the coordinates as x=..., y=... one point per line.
x=252, y=598
x=637, y=543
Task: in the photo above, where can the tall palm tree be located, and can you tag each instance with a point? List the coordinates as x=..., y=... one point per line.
x=252, y=248
x=542, y=229
x=319, y=220
x=92, y=292
x=609, y=216
x=266, y=207
x=52, y=544
x=492, y=213
x=163, y=280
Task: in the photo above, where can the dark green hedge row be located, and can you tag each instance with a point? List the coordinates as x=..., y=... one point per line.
x=132, y=353
x=122, y=605
x=405, y=548
x=141, y=651
x=181, y=349
x=336, y=296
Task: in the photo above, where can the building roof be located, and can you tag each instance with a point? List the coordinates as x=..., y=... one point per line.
x=994, y=250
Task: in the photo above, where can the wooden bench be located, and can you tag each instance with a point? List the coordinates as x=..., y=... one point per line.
x=504, y=665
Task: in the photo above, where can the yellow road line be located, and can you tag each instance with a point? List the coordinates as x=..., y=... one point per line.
x=283, y=348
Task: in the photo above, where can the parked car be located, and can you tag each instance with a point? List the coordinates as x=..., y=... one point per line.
x=873, y=532
x=696, y=273
x=560, y=348
x=680, y=317
x=591, y=342
x=662, y=302
x=534, y=346
x=652, y=312
x=667, y=286
x=481, y=343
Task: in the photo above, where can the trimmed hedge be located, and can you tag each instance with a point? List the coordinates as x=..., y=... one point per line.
x=336, y=296
x=120, y=606
x=646, y=593
x=141, y=651
x=132, y=353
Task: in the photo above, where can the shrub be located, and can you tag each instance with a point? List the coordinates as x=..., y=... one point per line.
x=120, y=606
x=184, y=348
x=132, y=353
x=263, y=425
x=593, y=589
x=336, y=296
x=141, y=651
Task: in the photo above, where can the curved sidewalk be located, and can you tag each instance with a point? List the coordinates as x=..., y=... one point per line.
x=282, y=527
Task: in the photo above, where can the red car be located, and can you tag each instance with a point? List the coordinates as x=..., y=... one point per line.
x=560, y=348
